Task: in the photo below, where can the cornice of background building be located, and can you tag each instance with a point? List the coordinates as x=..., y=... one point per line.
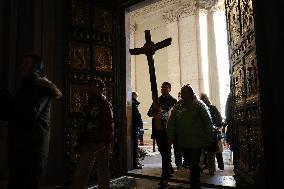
x=172, y=10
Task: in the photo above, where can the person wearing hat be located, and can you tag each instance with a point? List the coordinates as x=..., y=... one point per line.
x=96, y=138
x=29, y=125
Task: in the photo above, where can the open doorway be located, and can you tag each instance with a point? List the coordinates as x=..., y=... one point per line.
x=198, y=55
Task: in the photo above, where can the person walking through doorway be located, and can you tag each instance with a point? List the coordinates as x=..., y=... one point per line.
x=97, y=135
x=191, y=120
x=166, y=102
x=216, y=149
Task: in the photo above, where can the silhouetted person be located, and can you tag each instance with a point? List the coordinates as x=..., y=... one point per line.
x=177, y=150
x=29, y=125
x=180, y=159
x=140, y=131
x=137, y=123
x=190, y=119
x=229, y=112
x=98, y=134
x=166, y=102
x=217, y=146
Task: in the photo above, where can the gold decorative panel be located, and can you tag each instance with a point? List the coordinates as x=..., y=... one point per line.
x=233, y=22
x=78, y=97
x=103, y=59
x=252, y=83
x=238, y=81
x=247, y=16
x=244, y=159
x=80, y=13
x=79, y=55
x=103, y=20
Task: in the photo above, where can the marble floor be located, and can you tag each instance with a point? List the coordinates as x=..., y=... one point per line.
x=148, y=177
x=152, y=170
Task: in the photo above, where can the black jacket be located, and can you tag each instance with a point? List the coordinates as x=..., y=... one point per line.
x=29, y=124
x=136, y=118
x=165, y=103
x=216, y=116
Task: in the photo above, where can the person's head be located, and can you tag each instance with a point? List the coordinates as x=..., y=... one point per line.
x=187, y=93
x=134, y=95
x=31, y=65
x=166, y=88
x=205, y=98
x=97, y=87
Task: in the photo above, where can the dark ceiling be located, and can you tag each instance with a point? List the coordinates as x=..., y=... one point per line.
x=117, y=3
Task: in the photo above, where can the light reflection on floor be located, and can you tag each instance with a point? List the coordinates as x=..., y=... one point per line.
x=152, y=169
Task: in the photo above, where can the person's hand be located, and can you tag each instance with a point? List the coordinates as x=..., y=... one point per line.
x=156, y=111
x=156, y=108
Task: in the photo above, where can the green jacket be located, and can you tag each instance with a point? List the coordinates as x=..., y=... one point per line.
x=192, y=126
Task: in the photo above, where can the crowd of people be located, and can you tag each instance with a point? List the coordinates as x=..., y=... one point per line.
x=194, y=127
x=191, y=124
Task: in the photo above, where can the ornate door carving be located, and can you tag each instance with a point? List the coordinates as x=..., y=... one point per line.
x=245, y=89
x=89, y=55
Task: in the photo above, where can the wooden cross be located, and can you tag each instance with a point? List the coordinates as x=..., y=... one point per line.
x=149, y=50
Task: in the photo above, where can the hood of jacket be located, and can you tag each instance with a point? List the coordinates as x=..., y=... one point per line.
x=44, y=82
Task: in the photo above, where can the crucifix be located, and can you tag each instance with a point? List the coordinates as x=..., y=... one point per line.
x=149, y=50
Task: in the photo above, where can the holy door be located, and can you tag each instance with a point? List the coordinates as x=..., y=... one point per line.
x=89, y=55
x=244, y=86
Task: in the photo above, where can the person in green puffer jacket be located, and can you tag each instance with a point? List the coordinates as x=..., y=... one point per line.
x=191, y=121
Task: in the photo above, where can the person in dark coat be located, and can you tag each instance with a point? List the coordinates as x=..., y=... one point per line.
x=98, y=127
x=216, y=150
x=29, y=125
x=229, y=112
x=137, y=123
x=166, y=102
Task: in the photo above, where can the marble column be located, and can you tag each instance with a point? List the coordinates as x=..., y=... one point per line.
x=174, y=67
x=213, y=76
x=188, y=27
x=183, y=56
x=201, y=77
